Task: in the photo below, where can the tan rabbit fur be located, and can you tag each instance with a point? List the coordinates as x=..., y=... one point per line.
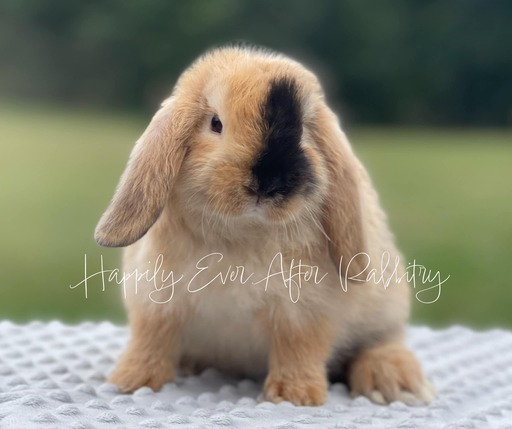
x=245, y=170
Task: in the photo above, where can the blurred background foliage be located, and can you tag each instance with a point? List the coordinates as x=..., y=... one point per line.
x=407, y=61
x=423, y=87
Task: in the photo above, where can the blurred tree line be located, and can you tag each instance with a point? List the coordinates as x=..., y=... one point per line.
x=393, y=61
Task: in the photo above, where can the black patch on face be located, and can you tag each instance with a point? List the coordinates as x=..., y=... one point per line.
x=282, y=167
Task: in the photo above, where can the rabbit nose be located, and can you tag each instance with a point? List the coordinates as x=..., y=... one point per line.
x=272, y=187
x=252, y=190
x=267, y=189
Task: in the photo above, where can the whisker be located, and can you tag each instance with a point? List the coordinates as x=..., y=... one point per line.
x=321, y=229
x=190, y=198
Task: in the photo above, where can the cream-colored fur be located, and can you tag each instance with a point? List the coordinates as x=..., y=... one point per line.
x=182, y=201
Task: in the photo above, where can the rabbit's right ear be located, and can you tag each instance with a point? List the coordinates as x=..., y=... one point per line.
x=343, y=216
x=145, y=184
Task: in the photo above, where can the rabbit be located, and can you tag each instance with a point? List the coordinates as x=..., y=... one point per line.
x=243, y=178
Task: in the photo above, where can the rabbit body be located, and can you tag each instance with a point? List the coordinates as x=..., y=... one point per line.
x=273, y=255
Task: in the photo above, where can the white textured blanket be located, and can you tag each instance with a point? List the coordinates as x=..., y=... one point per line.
x=53, y=376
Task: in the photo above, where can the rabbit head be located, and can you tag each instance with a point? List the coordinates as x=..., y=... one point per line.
x=246, y=138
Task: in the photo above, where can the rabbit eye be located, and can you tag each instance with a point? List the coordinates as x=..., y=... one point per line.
x=216, y=124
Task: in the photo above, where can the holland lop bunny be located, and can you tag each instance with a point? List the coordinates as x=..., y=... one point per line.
x=243, y=179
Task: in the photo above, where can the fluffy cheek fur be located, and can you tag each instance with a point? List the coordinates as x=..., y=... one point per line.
x=211, y=184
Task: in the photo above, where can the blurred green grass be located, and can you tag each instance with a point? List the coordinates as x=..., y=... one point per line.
x=447, y=193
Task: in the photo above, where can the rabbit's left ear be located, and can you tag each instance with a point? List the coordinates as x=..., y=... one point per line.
x=342, y=212
x=145, y=184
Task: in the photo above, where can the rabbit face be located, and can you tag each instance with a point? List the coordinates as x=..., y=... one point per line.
x=245, y=139
x=252, y=157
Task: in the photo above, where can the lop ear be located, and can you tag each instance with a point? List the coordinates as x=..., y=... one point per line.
x=145, y=184
x=342, y=214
